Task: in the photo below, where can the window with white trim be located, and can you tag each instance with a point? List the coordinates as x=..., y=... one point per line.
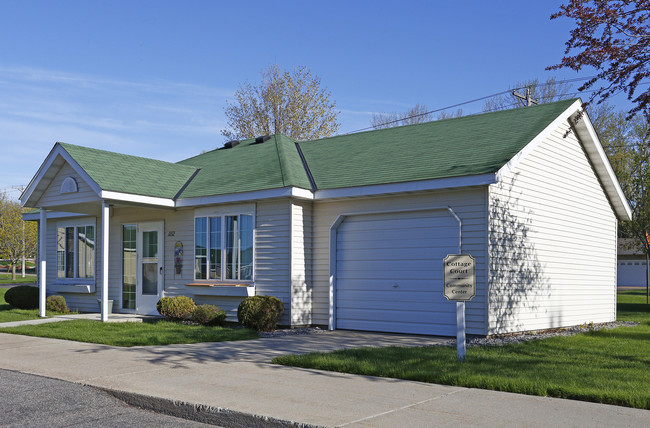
x=223, y=247
x=75, y=251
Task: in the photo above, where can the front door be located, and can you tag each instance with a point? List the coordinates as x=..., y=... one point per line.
x=150, y=267
x=142, y=267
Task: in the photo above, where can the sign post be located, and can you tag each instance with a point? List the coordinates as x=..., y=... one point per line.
x=459, y=286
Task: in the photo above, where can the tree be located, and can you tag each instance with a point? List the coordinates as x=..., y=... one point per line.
x=627, y=145
x=417, y=114
x=613, y=37
x=549, y=91
x=285, y=102
x=17, y=237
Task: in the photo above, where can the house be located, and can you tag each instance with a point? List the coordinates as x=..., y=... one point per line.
x=349, y=231
x=631, y=263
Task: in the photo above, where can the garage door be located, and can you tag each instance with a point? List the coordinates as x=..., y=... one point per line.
x=389, y=272
x=631, y=273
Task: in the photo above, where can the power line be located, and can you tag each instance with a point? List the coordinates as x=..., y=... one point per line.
x=554, y=82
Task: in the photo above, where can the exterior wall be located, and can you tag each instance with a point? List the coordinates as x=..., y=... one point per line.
x=272, y=256
x=273, y=252
x=53, y=197
x=301, y=260
x=552, y=241
x=470, y=205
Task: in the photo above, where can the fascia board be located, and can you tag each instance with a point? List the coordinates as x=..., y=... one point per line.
x=141, y=199
x=411, y=186
x=294, y=192
x=51, y=215
x=591, y=143
x=521, y=155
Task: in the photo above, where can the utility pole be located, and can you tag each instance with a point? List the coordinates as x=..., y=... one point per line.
x=526, y=99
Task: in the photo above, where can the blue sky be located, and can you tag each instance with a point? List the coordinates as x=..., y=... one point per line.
x=151, y=78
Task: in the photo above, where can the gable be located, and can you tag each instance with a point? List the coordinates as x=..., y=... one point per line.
x=53, y=194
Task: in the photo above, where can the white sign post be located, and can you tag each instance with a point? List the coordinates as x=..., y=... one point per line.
x=459, y=286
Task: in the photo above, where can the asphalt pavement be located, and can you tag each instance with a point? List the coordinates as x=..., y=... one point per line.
x=36, y=401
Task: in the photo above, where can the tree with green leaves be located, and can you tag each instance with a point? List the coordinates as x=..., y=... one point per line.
x=17, y=237
x=288, y=102
x=612, y=37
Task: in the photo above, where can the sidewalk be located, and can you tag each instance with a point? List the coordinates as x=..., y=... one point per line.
x=236, y=384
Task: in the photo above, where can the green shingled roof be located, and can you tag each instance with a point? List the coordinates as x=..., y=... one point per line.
x=131, y=174
x=247, y=167
x=465, y=146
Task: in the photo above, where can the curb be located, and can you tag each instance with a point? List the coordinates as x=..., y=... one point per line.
x=201, y=413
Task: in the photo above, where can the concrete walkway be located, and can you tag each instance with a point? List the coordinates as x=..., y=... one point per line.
x=234, y=384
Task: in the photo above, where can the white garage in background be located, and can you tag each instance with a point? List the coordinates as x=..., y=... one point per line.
x=388, y=271
x=631, y=273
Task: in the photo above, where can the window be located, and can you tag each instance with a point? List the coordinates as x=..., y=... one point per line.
x=75, y=252
x=129, y=266
x=223, y=247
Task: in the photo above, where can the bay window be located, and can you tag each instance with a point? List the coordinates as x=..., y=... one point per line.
x=223, y=247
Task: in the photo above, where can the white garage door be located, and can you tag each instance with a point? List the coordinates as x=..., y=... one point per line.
x=631, y=273
x=389, y=272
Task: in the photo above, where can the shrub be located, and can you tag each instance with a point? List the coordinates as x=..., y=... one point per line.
x=57, y=304
x=177, y=308
x=260, y=313
x=208, y=315
x=22, y=297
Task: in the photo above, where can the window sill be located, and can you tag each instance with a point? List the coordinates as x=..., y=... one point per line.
x=222, y=289
x=72, y=288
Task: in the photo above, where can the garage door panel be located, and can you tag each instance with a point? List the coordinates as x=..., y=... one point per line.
x=410, y=328
x=631, y=273
x=404, y=286
x=376, y=253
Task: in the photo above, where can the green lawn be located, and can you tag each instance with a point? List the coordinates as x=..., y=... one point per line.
x=600, y=366
x=5, y=278
x=118, y=334
x=132, y=333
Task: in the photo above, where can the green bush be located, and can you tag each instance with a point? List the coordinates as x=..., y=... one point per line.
x=177, y=308
x=208, y=315
x=22, y=297
x=260, y=313
x=57, y=304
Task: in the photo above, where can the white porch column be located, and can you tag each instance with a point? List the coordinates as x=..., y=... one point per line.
x=42, y=255
x=105, y=218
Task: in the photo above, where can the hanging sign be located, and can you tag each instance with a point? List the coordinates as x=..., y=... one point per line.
x=459, y=277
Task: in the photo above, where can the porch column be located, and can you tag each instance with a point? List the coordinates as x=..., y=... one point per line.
x=42, y=255
x=105, y=218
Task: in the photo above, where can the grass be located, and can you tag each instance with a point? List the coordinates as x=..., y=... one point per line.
x=118, y=334
x=600, y=366
x=5, y=278
x=132, y=333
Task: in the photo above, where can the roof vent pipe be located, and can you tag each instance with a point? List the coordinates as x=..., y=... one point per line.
x=263, y=138
x=230, y=144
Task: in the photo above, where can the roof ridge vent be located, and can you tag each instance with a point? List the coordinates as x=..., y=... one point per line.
x=261, y=139
x=230, y=144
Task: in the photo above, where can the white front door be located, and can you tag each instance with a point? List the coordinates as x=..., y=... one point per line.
x=150, y=269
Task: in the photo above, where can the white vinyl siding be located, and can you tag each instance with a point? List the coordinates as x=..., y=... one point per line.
x=273, y=252
x=301, y=289
x=552, y=241
x=470, y=205
x=52, y=196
